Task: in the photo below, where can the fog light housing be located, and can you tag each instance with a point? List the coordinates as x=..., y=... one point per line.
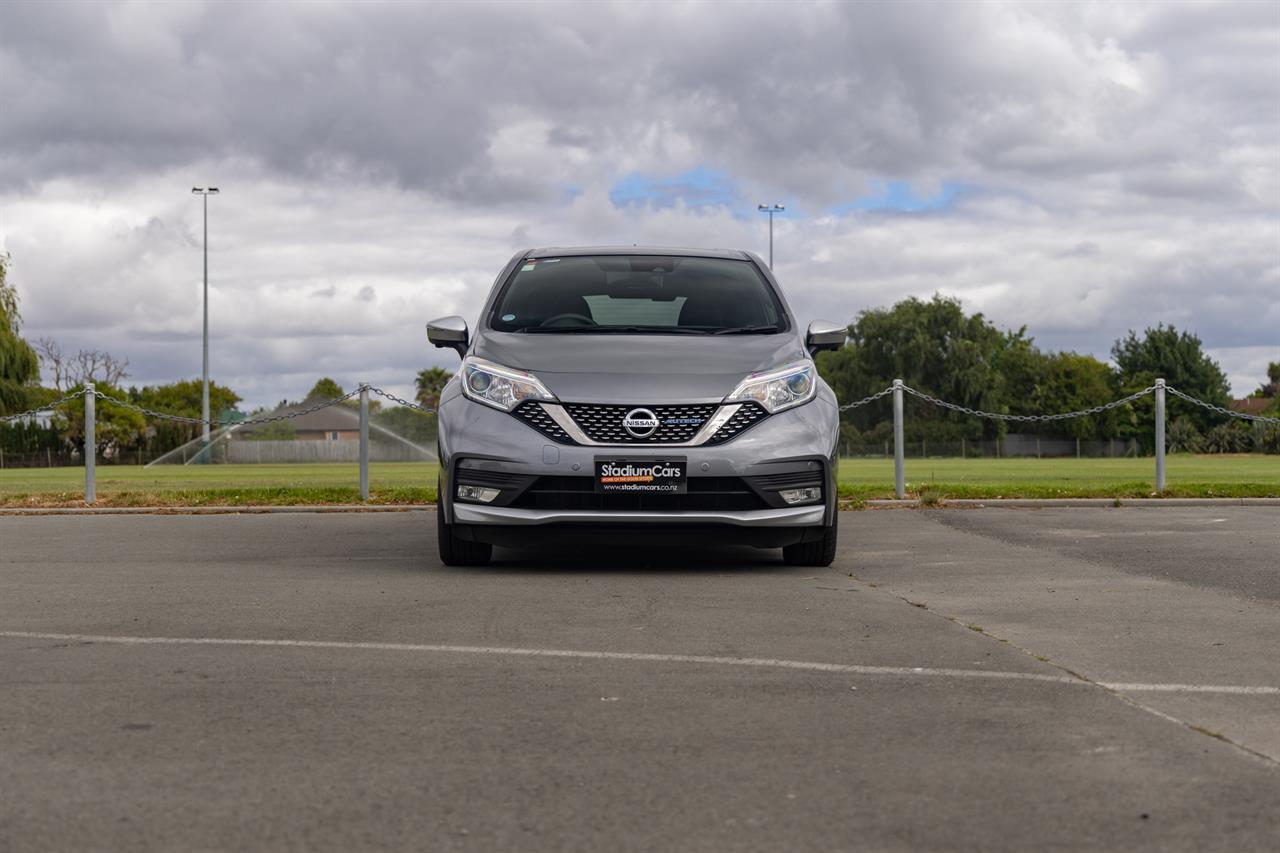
x=479, y=494
x=807, y=495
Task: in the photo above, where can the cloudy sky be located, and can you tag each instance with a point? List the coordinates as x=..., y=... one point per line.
x=1082, y=169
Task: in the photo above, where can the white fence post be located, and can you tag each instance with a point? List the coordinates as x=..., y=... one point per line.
x=364, y=441
x=90, y=444
x=899, y=483
x=1159, y=435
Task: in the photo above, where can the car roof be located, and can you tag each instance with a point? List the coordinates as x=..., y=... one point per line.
x=573, y=251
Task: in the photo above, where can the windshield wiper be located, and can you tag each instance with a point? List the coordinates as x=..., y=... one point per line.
x=610, y=330
x=746, y=330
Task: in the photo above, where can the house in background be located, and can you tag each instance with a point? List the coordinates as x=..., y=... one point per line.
x=335, y=423
x=1251, y=405
x=331, y=434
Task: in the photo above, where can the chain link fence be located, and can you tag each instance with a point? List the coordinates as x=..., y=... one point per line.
x=897, y=390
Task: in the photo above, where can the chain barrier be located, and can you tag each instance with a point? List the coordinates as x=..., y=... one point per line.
x=324, y=404
x=45, y=408
x=1220, y=410
x=899, y=485
x=393, y=398
x=866, y=400
x=1062, y=416
x=266, y=419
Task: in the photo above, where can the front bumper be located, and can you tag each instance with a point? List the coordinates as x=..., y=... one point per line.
x=796, y=516
x=803, y=439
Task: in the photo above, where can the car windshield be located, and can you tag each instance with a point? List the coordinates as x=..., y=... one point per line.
x=637, y=294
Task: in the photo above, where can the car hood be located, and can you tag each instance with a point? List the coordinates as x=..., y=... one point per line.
x=640, y=368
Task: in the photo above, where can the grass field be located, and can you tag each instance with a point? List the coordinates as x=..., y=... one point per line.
x=410, y=482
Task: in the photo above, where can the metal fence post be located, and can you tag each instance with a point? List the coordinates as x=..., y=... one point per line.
x=899, y=483
x=90, y=444
x=364, y=442
x=1159, y=435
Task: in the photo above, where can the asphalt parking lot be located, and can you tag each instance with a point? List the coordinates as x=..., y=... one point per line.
x=959, y=679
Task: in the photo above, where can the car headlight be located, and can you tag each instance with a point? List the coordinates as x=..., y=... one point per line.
x=779, y=389
x=501, y=387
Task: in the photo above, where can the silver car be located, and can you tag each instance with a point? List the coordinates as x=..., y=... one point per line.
x=621, y=396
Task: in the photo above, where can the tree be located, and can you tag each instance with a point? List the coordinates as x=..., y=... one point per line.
x=1178, y=358
x=87, y=365
x=1071, y=383
x=114, y=427
x=932, y=346
x=1025, y=370
x=1272, y=387
x=1182, y=437
x=19, y=366
x=418, y=427
x=429, y=384
x=324, y=389
x=180, y=398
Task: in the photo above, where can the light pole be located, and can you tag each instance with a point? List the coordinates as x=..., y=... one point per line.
x=204, y=394
x=770, y=209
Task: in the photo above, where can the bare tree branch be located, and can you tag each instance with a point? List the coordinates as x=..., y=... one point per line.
x=52, y=357
x=85, y=366
x=98, y=366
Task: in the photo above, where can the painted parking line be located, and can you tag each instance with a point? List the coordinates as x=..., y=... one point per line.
x=767, y=663
x=1122, y=687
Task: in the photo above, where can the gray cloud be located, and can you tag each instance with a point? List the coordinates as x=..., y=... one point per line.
x=811, y=99
x=1122, y=163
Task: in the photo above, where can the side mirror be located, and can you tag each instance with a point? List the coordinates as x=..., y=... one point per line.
x=449, y=332
x=825, y=335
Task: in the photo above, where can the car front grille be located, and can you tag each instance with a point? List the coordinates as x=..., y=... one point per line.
x=747, y=416
x=602, y=423
x=535, y=416
x=706, y=494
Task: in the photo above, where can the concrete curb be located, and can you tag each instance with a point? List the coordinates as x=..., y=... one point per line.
x=1047, y=503
x=956, y=503
x=212, y=510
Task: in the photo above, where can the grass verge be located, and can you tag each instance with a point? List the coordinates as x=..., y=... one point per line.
x=934, y=480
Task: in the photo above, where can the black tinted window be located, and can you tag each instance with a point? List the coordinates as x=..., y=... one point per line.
x=637, y=293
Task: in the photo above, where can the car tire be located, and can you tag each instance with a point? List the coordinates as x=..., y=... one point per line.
x=455, y=551
x=819, y=552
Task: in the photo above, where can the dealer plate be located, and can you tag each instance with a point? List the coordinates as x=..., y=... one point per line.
x=667, y=475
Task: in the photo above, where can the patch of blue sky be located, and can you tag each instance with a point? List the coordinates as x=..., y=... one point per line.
x=698, y=187
x=898, y=196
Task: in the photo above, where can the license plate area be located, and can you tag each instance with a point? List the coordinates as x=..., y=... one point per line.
x=666, y=475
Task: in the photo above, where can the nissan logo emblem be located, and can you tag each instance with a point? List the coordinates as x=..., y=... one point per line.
x=640, y=423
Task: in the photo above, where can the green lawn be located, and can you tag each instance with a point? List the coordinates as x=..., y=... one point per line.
x=414, y=482
x=1224, y=475
x=219, y=485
